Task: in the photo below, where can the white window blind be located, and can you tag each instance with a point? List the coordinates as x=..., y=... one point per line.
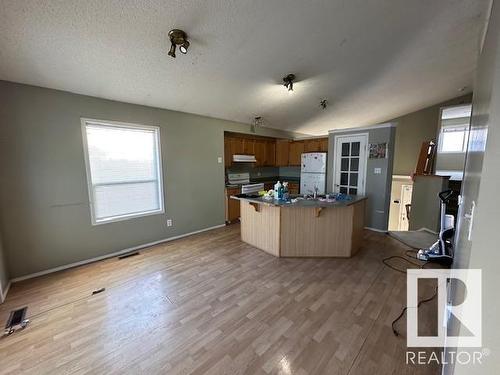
x=123, y=170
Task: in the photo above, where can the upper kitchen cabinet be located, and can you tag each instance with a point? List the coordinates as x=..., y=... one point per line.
x=316, y=145
x=282, y=152
x=270, y=153
x=260, y=152
x=312, y=145
x=236, y=146
x=232, y=146
x=323, y=145
x=248, y=146
x=296, y=149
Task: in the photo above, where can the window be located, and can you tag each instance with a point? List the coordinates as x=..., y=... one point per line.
x=123, y=170
x=454, y=129
x=453, y=139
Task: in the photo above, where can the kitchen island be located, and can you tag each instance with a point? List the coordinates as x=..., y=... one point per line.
x=306, y=228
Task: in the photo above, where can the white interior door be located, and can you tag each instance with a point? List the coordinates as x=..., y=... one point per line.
x=406, y=191
x=350, y=164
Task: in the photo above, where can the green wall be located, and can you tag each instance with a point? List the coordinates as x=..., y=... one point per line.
x=4, y=275
x=45, y=216
x=415, y=128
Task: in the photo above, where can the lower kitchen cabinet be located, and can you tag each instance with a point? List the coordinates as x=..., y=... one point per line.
x=293, y=188
x=232, y=205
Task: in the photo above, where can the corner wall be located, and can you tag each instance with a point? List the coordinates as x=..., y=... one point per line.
x=45, y=217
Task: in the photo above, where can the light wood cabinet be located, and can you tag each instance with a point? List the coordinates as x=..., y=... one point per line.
x=236, y=146
x=296, y=149
x=316, y=145
x=312, y=145
x=232, y=205
x=282, y=152
x=248, y=146
x=260, y=152
x=228, y=155
x=323, y=145
x=270, y=153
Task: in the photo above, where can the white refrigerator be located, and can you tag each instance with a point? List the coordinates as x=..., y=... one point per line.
x=313, y=172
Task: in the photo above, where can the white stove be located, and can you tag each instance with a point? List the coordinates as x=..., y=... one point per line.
x=243, y=180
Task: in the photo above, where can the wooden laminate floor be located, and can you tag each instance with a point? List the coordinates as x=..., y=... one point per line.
x=211, y=304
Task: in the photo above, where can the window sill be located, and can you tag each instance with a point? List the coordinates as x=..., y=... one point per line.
x=115, y=219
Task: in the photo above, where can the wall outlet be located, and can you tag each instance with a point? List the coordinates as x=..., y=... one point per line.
x=377, y=170
x=219, y=160
x=169, y=222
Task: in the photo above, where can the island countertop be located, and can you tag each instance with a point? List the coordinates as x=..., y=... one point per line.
x=305, y=228
x=302, y=202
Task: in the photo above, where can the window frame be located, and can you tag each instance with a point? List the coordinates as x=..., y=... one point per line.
x=90, y=184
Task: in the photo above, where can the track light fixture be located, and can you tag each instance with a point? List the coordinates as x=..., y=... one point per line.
x=178, y=38
x=288, y=82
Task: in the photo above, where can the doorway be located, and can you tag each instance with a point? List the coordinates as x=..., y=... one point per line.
x=349, y=174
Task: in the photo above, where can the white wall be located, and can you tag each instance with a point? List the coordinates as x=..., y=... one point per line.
x=480, y=187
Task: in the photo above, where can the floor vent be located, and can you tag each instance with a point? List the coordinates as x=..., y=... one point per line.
x=134, y=253
x=17, y=320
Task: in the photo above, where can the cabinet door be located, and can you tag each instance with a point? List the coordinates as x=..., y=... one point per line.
x=260, y=152
x=232, y=205
x=282, y=152
x=248, y=146
x=323, y=145
x=270, y=160
x=312, y=145
x=228, y=156
x=296, y=150
x=236, y=146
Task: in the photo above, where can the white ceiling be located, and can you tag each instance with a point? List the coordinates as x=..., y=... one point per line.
x=373, y=60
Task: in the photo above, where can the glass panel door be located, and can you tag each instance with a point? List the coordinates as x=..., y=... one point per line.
x=350, y=164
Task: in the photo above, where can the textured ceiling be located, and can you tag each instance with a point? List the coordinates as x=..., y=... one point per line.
x=373, y=60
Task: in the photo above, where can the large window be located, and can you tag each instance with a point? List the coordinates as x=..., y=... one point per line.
x=123, y=170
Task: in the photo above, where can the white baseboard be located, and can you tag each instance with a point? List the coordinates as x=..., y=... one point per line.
x=110, y=255
x=3, y=293
x=376, y=230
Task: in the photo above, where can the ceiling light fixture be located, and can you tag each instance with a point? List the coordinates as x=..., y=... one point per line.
x=288, y=82
x=257, y=121
x=178, y=38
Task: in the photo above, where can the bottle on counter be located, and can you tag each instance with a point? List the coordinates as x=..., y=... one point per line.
x=277, y=189
x=286, y=194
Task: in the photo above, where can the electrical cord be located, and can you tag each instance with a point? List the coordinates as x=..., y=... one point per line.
x=385, y=261
x=394, y=330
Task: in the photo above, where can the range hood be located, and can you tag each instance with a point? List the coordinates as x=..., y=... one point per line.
x=244, y=159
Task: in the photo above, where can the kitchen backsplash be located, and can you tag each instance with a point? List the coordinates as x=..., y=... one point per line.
x=289, y=171
x=259, y=172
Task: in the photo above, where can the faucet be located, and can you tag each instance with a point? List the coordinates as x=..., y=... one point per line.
x=315, y=194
